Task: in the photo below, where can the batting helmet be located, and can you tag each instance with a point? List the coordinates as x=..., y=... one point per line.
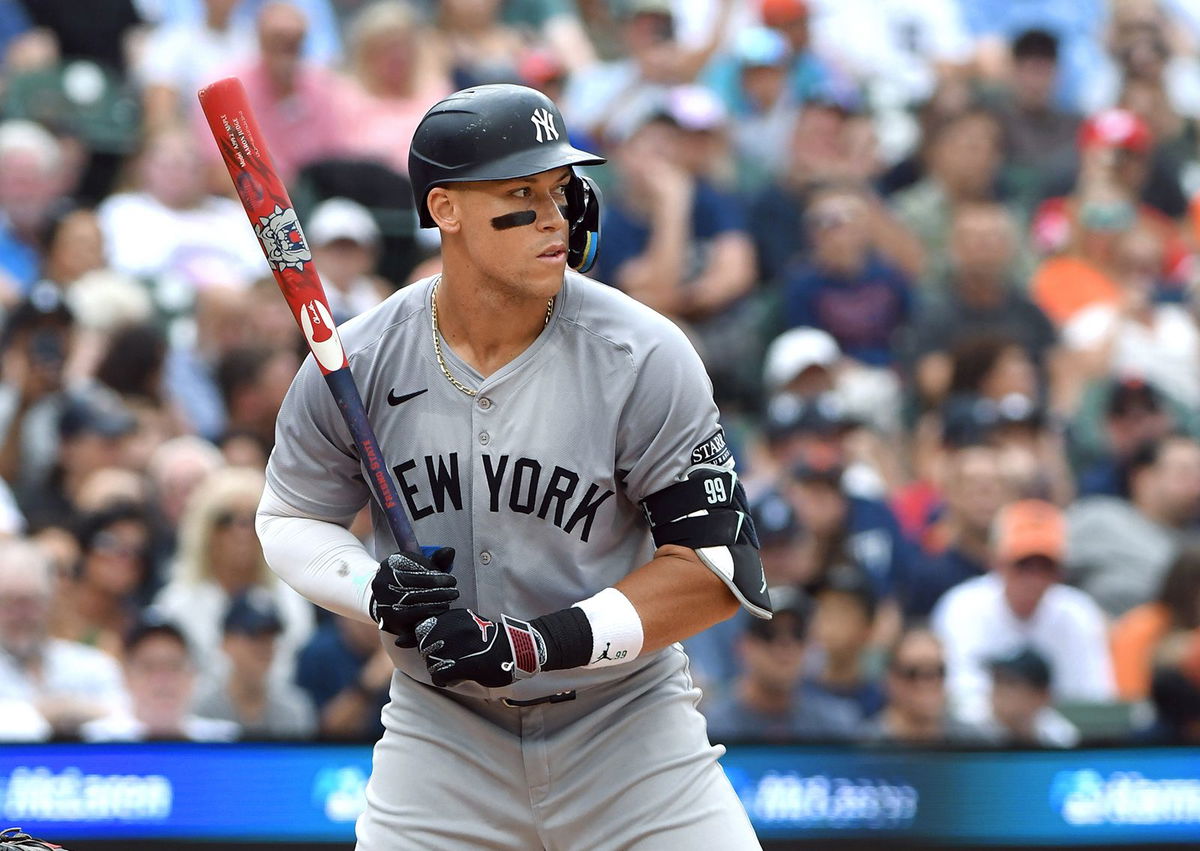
x=498, y=132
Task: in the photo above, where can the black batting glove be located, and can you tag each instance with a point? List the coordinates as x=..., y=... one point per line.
x=459, y=645
x=409, y=588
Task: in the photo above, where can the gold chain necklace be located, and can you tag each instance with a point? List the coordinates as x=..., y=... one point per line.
x=437, y=336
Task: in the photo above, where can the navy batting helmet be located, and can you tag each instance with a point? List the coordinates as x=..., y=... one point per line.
x=498, y=132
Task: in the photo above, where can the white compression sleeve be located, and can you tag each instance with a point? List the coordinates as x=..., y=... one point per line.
x=320, y=559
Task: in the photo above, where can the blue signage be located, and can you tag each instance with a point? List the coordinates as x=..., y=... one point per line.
x=313, y=793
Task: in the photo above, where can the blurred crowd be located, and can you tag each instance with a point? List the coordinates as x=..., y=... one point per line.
x=939, y=258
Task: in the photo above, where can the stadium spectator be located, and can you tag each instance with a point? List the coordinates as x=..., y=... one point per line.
x=1172, y=616
x=68, y=683
x=219, y=557
x=345, y=243
x=917, y=712
x=180, y=57
x=973, y=488
x=962, y=159
x=166, y=223
x=842, y=627
x=1021, y=710
x=1020, y=602
x=247, y=695
x=1079, y=232
x=36, y=173
x=1137, y=335
x=847, y=289
x=475, y=44
x=1039, y=136
x=346, y=672
x=1120, y=548
x=161, y=675
x=768, y=701
x=1134, y=413
x=102, y=599
x=394, y=75
x=253, y=381
x=984, y=298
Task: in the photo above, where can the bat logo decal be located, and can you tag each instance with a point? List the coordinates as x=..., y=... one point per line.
x=282, y=240
x=319, y=330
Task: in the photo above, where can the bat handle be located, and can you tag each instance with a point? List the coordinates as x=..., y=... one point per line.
x=341, y=384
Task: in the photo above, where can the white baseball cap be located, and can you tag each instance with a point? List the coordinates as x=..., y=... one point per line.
x=796, y=350
x=341, y=218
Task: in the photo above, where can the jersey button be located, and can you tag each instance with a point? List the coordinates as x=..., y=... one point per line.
x=485, y=557
x=485, y=403
x=485, y=438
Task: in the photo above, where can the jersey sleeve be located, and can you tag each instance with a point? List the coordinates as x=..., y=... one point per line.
x=669, y=421
x=314, y=465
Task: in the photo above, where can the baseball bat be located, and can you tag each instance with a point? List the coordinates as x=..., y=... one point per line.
x=274, y=221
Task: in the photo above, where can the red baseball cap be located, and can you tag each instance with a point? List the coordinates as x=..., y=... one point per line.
x=1116, y=128
x=777, y=13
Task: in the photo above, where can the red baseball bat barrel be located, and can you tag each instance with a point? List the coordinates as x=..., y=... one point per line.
x=273, y=218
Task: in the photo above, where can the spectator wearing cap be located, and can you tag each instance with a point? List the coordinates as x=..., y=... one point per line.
x=678, y=243
x=262, y=707
x=984, y=296
x=846, y=288
x=1131, y=413
x=1020, y=602
x=1121, y=547
x=1039, y=135
x=94, y=427
x=973, y=488
x=1078, y=232
x=1171, y=619
x=1022, y=714
x=767, y=701
x=1138, y=335
x=345, y=242
x=68, y=683
x=842, y=627
x=917, y=711
x=37, y=338
x=962, y=157
x=850, y=529
x=160, y=672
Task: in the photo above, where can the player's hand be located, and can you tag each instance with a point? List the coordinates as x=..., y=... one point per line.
x=460, y=645
x=409, y=588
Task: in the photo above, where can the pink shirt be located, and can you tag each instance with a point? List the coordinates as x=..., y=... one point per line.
x=383, y=127
x=302, y=128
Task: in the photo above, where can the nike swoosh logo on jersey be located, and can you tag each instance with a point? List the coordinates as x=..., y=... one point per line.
x=393, y=399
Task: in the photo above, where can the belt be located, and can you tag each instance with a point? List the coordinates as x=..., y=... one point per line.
x=557, y=697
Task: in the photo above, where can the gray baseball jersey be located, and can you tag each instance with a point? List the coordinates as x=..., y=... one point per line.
x=536, y=480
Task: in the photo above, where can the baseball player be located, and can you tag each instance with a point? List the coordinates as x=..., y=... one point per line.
x=559, y=443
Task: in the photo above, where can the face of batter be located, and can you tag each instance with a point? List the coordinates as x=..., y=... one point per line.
x=511, y=234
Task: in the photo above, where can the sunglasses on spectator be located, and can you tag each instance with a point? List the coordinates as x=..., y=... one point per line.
x=913, y=673
x=831, y=218
x=229, y=517
x=110, y=544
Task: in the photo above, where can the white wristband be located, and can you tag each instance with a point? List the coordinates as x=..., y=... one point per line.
x=616, y=628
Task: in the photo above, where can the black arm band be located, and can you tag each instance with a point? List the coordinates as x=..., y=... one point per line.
x=568, y=637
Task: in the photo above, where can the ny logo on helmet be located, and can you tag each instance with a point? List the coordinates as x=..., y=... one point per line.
x=543, y=120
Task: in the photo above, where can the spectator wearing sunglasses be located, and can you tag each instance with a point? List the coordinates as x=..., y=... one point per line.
x=916, y=711
x=218, y=558
x=1022, y=602
x=102, y=596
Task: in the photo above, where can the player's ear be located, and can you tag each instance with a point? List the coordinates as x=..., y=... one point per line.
x=444, y=209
